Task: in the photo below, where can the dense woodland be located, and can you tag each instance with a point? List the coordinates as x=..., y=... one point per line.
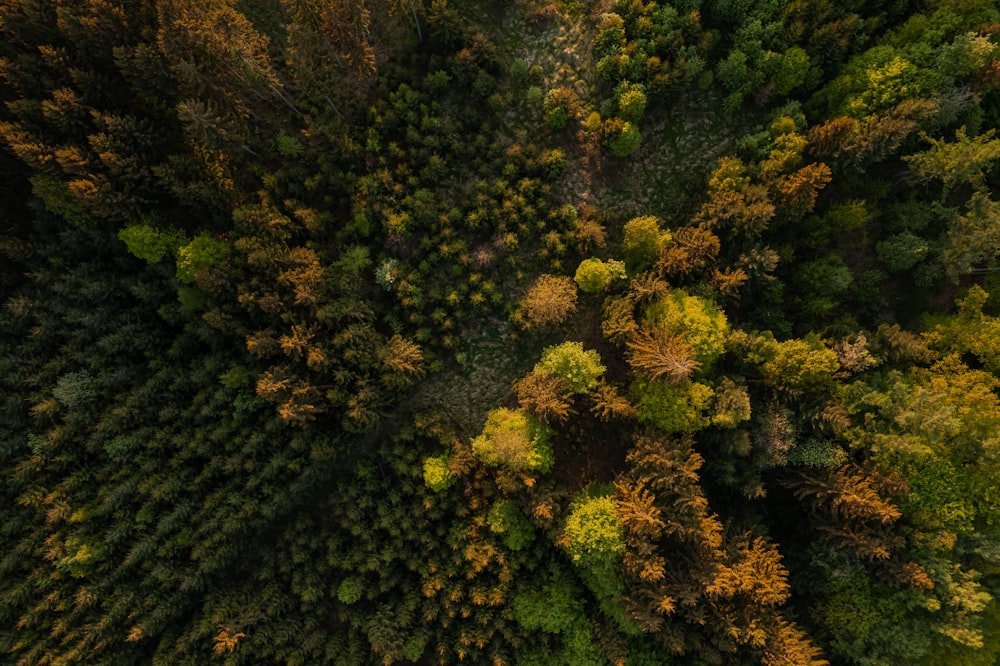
x=592, y=332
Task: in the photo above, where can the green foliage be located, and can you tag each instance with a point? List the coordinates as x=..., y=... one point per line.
x=967, y=54
x=643, y=240
x=868, y=622
x=288, y=146
x=701, y=322
x=902, y=251
x=964, y=160
x=151, y=244
x=554, y=609
x=59, y=200
x=74, y=389
x=594, y=275
x=799, y=365
x=569, y=361
x=632, y=104
x=622, y=137
x=594, y=532
x=816, y=452
x=436, y=474
x=204, y=251
x=506, y=519
x=673, y=409
x=793, y=71
x=350, y=590
x=559, y=107
x=515, y=440
x=176, y=459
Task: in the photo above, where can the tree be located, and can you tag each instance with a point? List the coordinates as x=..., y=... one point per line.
x=659, y=354
x=643, y=240
x=691, y=249
x=703, y=325
x=965, y=160
x=593, y=531
x=544, y=395
x=621, y=136
x=593, y=275
x=202, y=252
x=153, y=245
x=550, y=300
x=799, y=365
x=673, y=409
x=514, y=440
x=579, y=368
x=793, y=71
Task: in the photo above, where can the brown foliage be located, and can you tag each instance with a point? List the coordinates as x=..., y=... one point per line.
x=549, y=301
x=618, y=323
x=659, y=355
x=647, y=287
x=691, y=249
x=609, y=403
x=728, y=280
x=800, y=189
x=689, y=586
x=828, y=138
x=849, y=493
x=544, y=395
x=589, y=234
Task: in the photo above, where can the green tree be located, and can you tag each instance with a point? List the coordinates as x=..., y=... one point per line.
x=673, y=409
x=621, y=136
x=515, y=440
x=799, y=365
x=964, y=160
x=594, y=275
x=569, y=361
x=594, y=533
x=703, y=325
x=793, y=70
x=152, y=244
x=643, y=240
x=204, y=251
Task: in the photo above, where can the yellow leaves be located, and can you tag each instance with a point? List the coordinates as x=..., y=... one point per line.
x=403, y=357
x=135, y=634
x=297, y=340
x=757, y=574
x=226, y=641
x=306, y=277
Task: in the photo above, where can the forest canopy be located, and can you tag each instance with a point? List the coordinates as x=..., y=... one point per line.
x=585, y=332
